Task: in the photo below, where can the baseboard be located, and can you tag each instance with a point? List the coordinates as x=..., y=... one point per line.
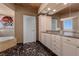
x=19, y=43
x=47, y=49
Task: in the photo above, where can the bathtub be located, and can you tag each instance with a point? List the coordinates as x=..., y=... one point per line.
x=7, y=42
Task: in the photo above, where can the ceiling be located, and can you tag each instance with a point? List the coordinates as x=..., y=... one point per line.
x=29, y=6
x=34, y=7
x=72, y=8
x=60, y=8
x=53, y=6
x=4, y=10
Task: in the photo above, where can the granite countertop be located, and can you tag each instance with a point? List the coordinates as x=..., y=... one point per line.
x=58, y=33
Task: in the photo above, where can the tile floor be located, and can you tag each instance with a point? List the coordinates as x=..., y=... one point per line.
x=29, y=49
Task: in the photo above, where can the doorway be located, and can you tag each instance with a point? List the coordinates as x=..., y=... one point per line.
x=29, y=29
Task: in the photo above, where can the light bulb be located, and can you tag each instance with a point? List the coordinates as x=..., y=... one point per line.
x=49, y=9
x=65, y=3
x=54, y=10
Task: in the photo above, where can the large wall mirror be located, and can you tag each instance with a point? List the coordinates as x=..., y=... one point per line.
x=54, y=24
x=6, y=26
x=68, y=26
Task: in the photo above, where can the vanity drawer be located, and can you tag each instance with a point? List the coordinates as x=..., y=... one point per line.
x=57, y=37
x=69, y=40
x=56, y=46
x=57, y=51
x=77, y=42
x=56, y=41
x=53, y=37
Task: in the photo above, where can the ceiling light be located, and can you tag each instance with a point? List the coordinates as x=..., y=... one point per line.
x=65, y=3
x=54, y=10
x=50, y=13
x=49, y=9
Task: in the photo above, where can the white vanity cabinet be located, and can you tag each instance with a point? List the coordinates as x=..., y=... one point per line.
x=44, y=23
x=48, y=41
x=77, y=51
x=77, y=46
x=68, y=49
x=48, y=23
x=43, y=38
x=61, y=45
x=56, y=44
x=69, y=46
x=53, y=42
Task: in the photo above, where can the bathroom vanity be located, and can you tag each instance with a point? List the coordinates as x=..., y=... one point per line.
x=59, y=44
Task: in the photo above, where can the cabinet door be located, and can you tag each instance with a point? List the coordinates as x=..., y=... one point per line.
x=43, y=38
x=53, y=42
x=42, y=23
x=48, y=23
x=56, y=44
x=77, y=46
x=77, y=51
x=48, y=41
x=68, y=50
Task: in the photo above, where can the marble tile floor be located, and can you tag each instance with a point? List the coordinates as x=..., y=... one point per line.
x=28, y=49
